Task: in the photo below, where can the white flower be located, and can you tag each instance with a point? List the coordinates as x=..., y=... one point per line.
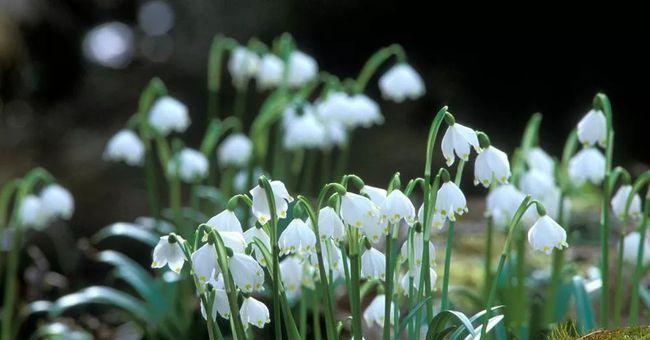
x=537, y=183
x=168, y=253
x=242, y=65
x=204, y=263
x=261, y=205
x=336, y=107
x=364, y=111
x=358, y=211
x=592, y=128
x=450, y=201
x=125, y=146
x=246, y=273
x=375, y=311
x=335, y=134
x=57, y=202
x=304, y=132
x=415, y=275
x=168, y=114
x=259, y=233
x=458, y=139
x=631, y=248
x=32, y=213
x=240, y=182
x=220, y=304
x=233, y=240
x=332, y=259
x=376, y=195
x=297, y=238
x=401, y=82
x=190, y=165
x=225, y=221
x=269, y=73
x=330, y=224
x=490, y=164
x=291, y=273
x=418, y=243
x=546, y=234
x=254, y=312
x=235, y=150
x=502, y=202
x=587, y=165
x=620, y=200
x=538, y=159
x=437, y=220
x=373, y=264
x=396, y=207
x=302, y=69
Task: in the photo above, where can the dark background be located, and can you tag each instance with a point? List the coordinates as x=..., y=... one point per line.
x=493, y=70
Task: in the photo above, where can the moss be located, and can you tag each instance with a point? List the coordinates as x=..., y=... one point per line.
x=565, y=332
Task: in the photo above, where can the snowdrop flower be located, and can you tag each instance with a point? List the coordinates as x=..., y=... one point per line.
x=373, y=264
x=537, y=183
x=125, y=146
x=631, y=248
x=204, y=263
x=233, y=240
x=168, y=252
x=364, y=111
x=415, y=276
x=332, y=259
x=418, y=243
x=546, y=234
x=620, y=200
x=235, y=150
x=458, y=139
x=261, y=205
x=190, y=165
x=242, y=65
x=269, y=72
x=225, y=221
x=358, y=211
x=397, y=207
x=291, y=273
x=220, y=304
x=450, y=201
x=302, y=69
x=254, y=312
x=437, y=220
x=502, y=203
x=57, y=202
x=168, y=114
x=304, y=132
x=32, y=213
x=376, y=195
x=538, y=159
x=491, y=163
x=336, y=107
x=297, y=238
x=592, y=128
x=335, y=134
x=259, y=233
x=375, y=311
x=330, y=225
x=587, y=165
x=246, y=273
x=401, y=82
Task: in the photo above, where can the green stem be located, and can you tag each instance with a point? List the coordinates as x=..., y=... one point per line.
x=375, y=61
x=303, y=314
x=240, y=103
x=388, y=286
x=488, y=256
x=316, y=316
x=219, y=45
x=640, y=259
x=521, y=305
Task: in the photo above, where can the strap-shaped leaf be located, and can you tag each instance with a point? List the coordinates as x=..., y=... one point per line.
x=478, y=317
x=126, y=230
x=410, y=315
x=102, y=295
x=586, y=320
x=265, y=253
x=491, y=324
x=60, y=330
x=133, y=274
x=439, y=323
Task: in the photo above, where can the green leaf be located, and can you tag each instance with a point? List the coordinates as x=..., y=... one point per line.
x=410, y=315
x=439, y=323
x=645, y=295
x=586, y=321
x=58, y=330
x=491, y=324
x=132, y=273
x=266, y=253
x=126, y=230
x=478, y=317
x=105, y=296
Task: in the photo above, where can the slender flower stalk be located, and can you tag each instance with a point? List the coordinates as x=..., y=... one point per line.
x=444, y=300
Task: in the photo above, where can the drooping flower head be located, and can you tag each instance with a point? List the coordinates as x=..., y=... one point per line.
x=620, y=200
x=254, y=312
x=401, y=82
x=246, y=273
x=261, y=207
x=373, y=264
x=450, y=201
x=125, y=146
x=397, y=207
x=303, y=129
x=359, y=211
x=491, y=164
x=269, y=72
x=592, y=128
x=538, y=159
x=546, y=234
x=631, y=248
x=189, y=165
x=242, y=65
x=374, y=313
x=168, y=114
x=225, y=221
x=220, y=304
x=31, y=212
x=250, y=235
x=57, y=201
x=168, y=252
x=204, y=263
x=298, y=237
x=235, y=150
x=537, y=183
x=291, y=272
x=587, y=165
x=458, y=140
x=502, y=202
x=330, y=224
x=418, y=243
x=302, y=69
x=412, y=279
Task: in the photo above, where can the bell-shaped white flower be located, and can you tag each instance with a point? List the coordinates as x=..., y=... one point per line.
x=358, y=211
x=437, y=220
x=335, y=134
x=57, y=202
x=458, y=139
x=233, y=240
x=587, y=165
x=502, y=202
x=220, y=304
x=225, y=221
x=32, y=213
x=491, y=164
x=450, y=201
x=336, y=107
x=546, y=234
x=330, y=225
x=620, y=200
x=261, y=208
x=418, y=248
x=412, y=279
x=269, y=72
x=189, y=165
x=168, y=252
x=332, y=260
x=376, y=195
x=125, y=146
x=631, y=248
x=242, y=65
x=254, y=312
x=168, y=114
x=373, y=264
x=304, y=132
x=537, y=183
x=246, y=273
x=592, y=128
x=250, y=235
x=297, y=238
x=374, y=313
x=397, y=207
x=204, y=263
x=538, y=159
x=235, y=151
x=364, y=111
x=302, y=69
x=401, y=82
x=291, y=272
